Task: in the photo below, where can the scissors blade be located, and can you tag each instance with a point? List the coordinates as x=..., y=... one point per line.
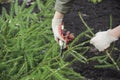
x=62, y=47
x=61, y=51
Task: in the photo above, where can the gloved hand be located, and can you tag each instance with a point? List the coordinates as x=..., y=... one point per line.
x=102, y=40
x=57, y=29
x=59, y=34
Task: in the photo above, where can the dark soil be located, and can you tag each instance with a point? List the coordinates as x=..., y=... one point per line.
x=97, y=16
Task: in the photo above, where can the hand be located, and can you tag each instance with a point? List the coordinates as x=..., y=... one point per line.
x=102, y=40
x=59, y=34
x=57, y=29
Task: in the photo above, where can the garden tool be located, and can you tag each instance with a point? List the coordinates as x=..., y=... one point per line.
x=62, y=43
x=68, y=37
x=63, y=46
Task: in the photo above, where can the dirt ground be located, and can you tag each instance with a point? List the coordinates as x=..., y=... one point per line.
x=97, y=16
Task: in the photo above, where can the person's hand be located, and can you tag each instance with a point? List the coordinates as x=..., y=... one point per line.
x=57, y=29
x=102, y=40
x=59, y=34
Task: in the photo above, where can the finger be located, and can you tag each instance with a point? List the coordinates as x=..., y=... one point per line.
x=68, y=37
x=93, y=40
x=60, y=32
x=64, y=36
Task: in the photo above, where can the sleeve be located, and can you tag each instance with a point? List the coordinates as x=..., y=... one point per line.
x=63, y=6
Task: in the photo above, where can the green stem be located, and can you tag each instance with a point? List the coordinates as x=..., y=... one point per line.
x=110, y=21
x=85, y=24
x=112, y=60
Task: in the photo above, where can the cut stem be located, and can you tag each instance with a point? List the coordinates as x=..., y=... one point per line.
x=83, y=21
x=108, y=54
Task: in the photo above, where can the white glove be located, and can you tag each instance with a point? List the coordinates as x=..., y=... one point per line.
x=57, y=29
x=102, y=40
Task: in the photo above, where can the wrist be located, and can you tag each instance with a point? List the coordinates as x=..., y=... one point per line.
x=112, y=33
x=58, y=15
x=115, y=32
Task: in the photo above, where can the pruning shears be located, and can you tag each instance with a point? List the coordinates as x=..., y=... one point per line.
x=62, y=44
x=62, y=47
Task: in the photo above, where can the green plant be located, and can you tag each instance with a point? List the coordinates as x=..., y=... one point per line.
x=5, y=1
x=28, y=50
x=95, y=1
x=27, y=47
x=104, y=58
